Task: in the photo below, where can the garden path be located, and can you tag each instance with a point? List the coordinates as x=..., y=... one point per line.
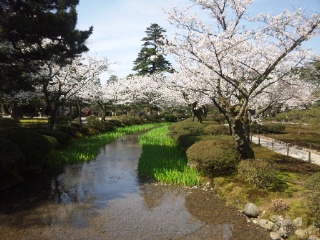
x=289, y=150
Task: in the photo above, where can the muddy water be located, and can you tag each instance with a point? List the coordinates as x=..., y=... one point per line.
x=105, y=199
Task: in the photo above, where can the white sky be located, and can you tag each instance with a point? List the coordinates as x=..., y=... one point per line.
x=119, y=25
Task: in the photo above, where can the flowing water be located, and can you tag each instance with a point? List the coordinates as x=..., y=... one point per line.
x=104, y=199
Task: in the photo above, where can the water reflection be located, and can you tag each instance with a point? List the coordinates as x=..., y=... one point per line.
x=104, y=199
x=111, y=175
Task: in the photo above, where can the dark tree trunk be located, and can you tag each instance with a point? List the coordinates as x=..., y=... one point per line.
x=242, y=137
x=79, y=111
x=239, y=125
x=15, y=111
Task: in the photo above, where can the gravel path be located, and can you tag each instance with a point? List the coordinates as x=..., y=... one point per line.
x=285, y=149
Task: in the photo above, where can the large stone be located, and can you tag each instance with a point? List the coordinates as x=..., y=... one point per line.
x=286, y=228
x=297, y=222
x=251, y=210
x=276, y=218
x=275, y=236
x=300, y=234
x=266, y=224
x=313, y=237
x=312, y=230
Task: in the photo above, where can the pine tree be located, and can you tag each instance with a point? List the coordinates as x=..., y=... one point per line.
x=149, y=59
x=33, y=32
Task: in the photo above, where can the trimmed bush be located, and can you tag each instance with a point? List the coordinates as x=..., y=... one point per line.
x=63, y=138
x=217, y=130
x=8, y=123
x=170, y=118
x=53, y=142
x=104, y=126
x=10, y=155
x=183, y=128
x=312, y=185
x=116, y=122
x=92, y=119
x=108, y=126
x=34, y=146
x=130, y=120
x=72, y=131
x=259, y=172
x=63, y=120
x=268, y=128
x=187, y=140
x=82, y=129
x=213, y=157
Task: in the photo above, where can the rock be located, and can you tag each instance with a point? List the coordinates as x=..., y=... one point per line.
x=275, y=236
x=276, y=218
x=313, y=237
x=312, y=230
x=300, y=234
x=266, y=224
x=297, y=222
x=250, y=210
x=286, y=228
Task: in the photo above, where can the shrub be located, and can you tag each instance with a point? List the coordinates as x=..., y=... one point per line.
x=216, y=130
x=312, y=194
x=91, y=120
x=186, y=127
x=72, y=131
x=170, y=118
x=187, y=140
x=8, y=122
x=33, y=146
x=116, y=122
x=63, y=138
x=258, y=172
x=10, y=155
x=130, y=120
x=53, y=141
x=82, y=129
x=64, y=120
x=268, y=128
x=152, y=118
x=279, y=205
x=108, y=126
x=213, y=157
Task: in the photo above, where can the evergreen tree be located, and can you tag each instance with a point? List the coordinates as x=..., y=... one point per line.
x=33, y=32
x=149, y=59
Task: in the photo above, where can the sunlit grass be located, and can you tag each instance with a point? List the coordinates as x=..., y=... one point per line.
x=87, y=148
x=162, y=160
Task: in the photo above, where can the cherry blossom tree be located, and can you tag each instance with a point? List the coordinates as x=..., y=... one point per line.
x=75, y=81
x=235, y=59
x=151, y=91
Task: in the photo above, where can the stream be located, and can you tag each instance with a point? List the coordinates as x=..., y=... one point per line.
x=105, y=199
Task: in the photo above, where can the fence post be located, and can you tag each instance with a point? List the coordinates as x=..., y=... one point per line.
x=272, y=145
x=309, y=157
x=258, y=140
x=287, y=149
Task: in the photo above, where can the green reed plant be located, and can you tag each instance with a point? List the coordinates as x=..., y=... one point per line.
x=162, y=160
x=87, y=148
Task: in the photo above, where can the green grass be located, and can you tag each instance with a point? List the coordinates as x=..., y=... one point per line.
x=87, y=148
x=162, y=160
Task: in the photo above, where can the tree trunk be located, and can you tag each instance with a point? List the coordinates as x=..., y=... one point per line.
x=79, y=111
x=241, y=135
x=15, y=111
